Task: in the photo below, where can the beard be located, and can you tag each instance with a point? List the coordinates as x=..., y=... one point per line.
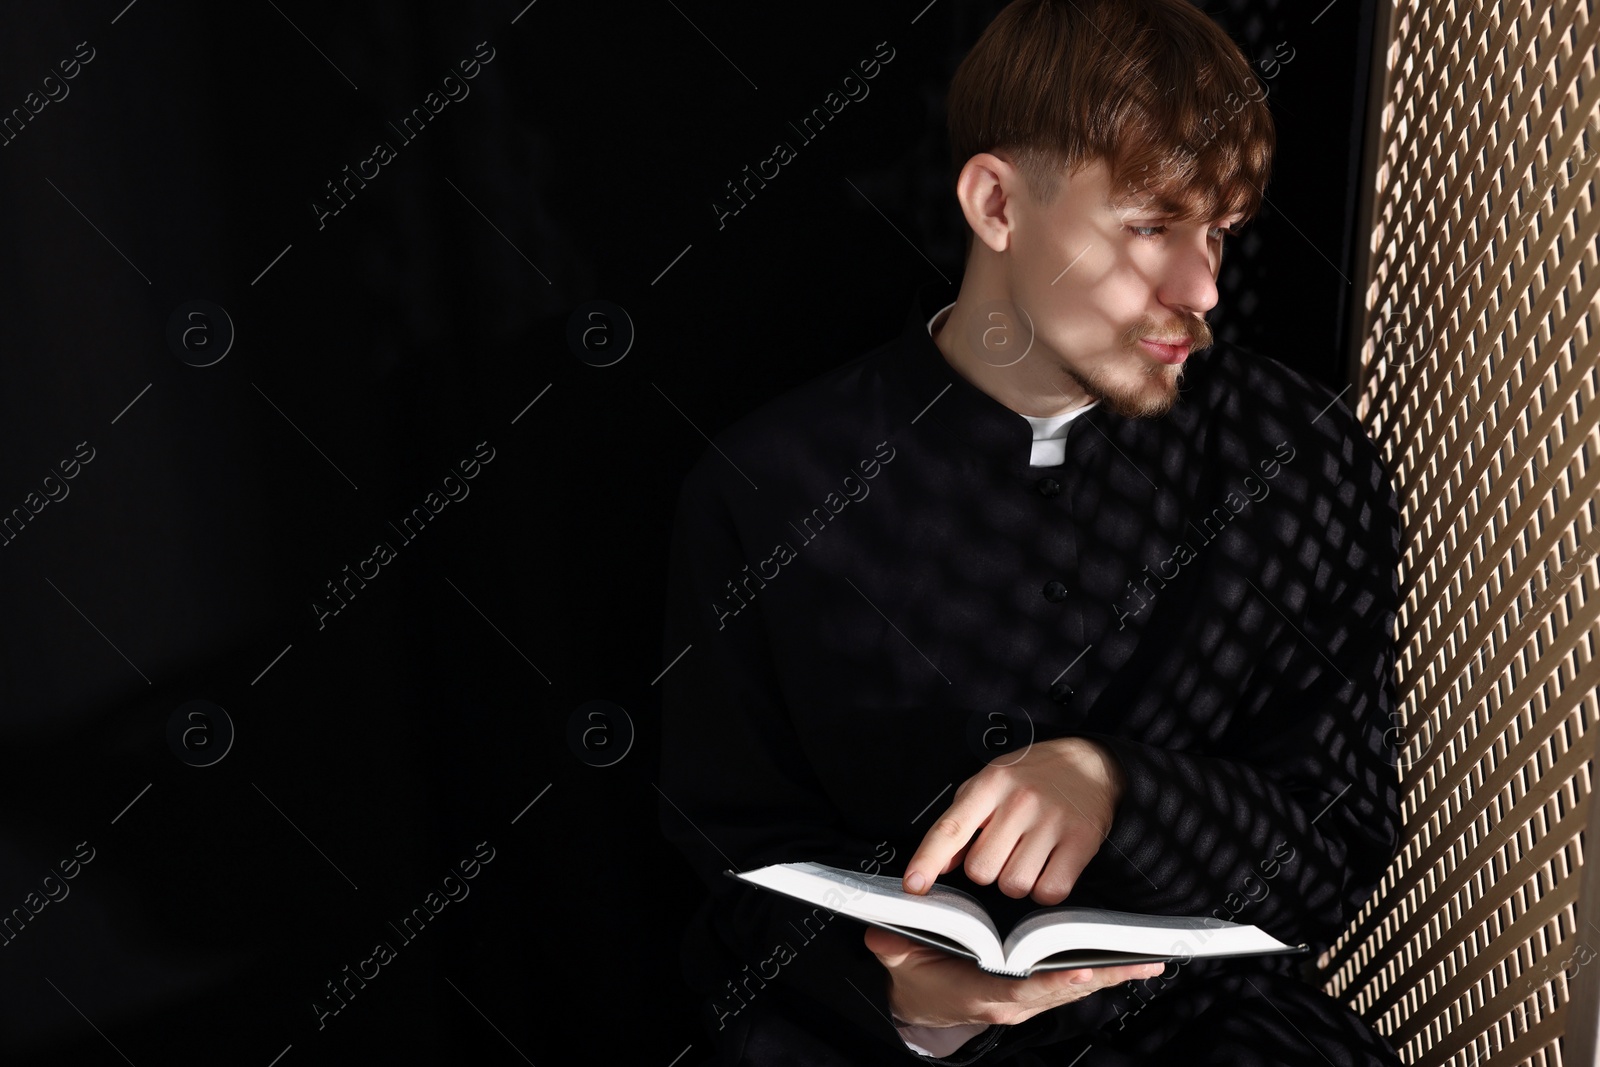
x=1149, y=397
x=1155, y=388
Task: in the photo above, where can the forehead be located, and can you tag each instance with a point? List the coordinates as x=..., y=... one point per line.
x=1144, y=186
x=1162, y=189
x=1169, y=201
x=1155, y=191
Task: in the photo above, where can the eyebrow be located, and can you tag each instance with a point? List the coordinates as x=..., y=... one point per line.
x=1134, y=202
x=1153, y=206
x=1165, y=209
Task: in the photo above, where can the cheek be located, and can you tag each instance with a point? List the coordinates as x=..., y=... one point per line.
x=1078, y=333
x=1084, y=292
x=1102, y=313
x=1043, y=240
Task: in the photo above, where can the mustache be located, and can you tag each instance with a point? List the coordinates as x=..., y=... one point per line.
x=1196, y=333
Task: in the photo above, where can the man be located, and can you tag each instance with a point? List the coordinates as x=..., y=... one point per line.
x=1047, y=598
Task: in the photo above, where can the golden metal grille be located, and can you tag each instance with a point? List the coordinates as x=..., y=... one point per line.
x=1477, y=374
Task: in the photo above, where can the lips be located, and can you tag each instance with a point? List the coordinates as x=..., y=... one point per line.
x=1167, y=353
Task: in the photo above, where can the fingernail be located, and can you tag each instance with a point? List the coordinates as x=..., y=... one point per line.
x=916, y=882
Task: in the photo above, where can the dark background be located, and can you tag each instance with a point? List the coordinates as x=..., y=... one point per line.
x=371, y=755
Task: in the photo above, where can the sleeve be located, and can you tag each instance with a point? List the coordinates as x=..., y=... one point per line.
x=737, y=793
x=938, y=1040
x=1292, y=822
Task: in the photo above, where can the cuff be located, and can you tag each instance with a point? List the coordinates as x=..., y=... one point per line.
x=938, y=1041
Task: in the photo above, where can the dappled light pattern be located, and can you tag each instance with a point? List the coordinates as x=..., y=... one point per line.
x=878, y=595
x=1479, y=375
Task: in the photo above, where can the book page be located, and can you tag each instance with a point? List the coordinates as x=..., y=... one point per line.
x=880, y=899
x=1056, y=930
x=939, y=896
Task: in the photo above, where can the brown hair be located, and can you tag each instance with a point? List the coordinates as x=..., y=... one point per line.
x=1153, y=87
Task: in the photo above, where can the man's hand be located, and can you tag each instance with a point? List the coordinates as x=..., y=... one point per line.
x=930, y=987
x=1041, y=817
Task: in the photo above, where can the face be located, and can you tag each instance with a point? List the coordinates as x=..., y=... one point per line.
x=1100, y=278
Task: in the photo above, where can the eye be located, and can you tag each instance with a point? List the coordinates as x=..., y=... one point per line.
x=1156, y=231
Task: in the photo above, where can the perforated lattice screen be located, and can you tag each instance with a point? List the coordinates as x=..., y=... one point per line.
x=1478, y=376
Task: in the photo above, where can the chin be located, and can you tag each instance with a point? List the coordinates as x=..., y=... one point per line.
x=1149, y=395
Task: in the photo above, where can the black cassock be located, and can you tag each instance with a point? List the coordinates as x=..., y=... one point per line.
x=878, y=595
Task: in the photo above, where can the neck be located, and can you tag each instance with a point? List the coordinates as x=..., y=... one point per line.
x=1032, y=385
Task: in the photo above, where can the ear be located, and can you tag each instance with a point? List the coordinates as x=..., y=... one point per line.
x=986, y=188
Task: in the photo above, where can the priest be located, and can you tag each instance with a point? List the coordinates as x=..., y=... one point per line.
x=1114, y=626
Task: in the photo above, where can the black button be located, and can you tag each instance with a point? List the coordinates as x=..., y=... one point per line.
x=1055, y=592
x=1047, y=486
x=1061, y=692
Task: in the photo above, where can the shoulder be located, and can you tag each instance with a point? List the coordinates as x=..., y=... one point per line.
x=1328, y=480
x=785, y=441
x=1260, y=403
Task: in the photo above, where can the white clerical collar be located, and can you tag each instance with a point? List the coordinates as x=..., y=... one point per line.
x=1049, y=432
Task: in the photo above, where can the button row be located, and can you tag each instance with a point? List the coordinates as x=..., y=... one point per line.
x=1054, y=591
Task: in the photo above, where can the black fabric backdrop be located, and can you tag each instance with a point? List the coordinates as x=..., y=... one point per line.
x=379, y=354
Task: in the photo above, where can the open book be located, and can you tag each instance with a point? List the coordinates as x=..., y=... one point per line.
x=1050, y=939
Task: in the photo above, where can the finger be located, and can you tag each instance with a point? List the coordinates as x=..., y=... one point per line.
x=1131, y=972
x=994, y=845
x=1060, y=987
x=1084, y=981
x=1067, y=861
x=948, y=835
x=1094, y=979
x=1021, y=870
x=955, y=861
x=890, y=948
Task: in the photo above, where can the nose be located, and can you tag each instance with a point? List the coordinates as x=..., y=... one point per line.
x=1189, y=284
